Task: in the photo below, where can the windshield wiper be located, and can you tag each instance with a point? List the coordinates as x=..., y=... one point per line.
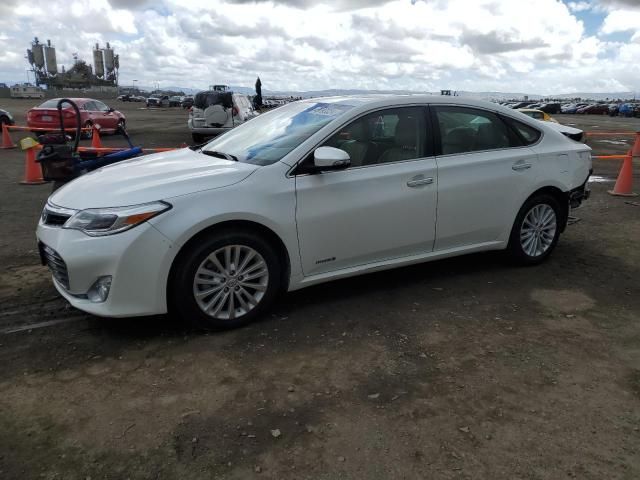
x=226, y=156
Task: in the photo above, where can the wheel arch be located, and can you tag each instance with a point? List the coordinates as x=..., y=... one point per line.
x=562, y=198
x=247, y=225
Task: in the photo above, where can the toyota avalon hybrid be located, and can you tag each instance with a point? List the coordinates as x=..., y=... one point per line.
x=313, y=191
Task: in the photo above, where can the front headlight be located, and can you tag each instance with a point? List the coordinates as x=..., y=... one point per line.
x=107, y=221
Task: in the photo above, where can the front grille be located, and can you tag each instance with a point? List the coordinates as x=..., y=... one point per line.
x=54, y=219
x=56, y=264
x=55, y=216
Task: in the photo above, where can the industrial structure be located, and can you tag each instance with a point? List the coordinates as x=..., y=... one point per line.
x=42, y=58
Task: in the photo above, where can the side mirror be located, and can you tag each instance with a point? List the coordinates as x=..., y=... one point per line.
x=110, y=110
x=327, y=159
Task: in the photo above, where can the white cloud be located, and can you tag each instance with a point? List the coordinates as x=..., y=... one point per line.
x=537, y=47
x=580, y=6
x=621, y=21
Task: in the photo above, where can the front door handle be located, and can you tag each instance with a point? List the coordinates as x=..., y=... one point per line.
x=419, y=181
x=521, y=166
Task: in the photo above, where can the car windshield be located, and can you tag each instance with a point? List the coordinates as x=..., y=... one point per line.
x=269, y=137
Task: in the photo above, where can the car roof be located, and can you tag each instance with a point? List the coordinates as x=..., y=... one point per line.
x=365, y=103
x=382, y=100
x=77, y=100
x=530, y=110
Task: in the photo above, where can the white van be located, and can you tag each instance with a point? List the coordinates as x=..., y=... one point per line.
x=216, y=112
x=26, y=90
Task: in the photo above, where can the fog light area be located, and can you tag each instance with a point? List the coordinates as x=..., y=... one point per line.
x=99, y=291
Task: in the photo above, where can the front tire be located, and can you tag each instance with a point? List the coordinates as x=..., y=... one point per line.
x=225, y=280
x=536, y=231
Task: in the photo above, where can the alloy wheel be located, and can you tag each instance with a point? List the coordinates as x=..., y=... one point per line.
x=230, y=282
x=538, y=230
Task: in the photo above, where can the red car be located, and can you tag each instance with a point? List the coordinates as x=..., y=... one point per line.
x=596, y=109
x=92, y=112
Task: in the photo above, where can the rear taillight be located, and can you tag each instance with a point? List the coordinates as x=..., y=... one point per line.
x=69, y=114
x=235, y=111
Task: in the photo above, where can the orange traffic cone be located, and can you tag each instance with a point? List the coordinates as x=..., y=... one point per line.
x=32, y=169
x=624, y=183
x=95, y=137
x=6, y=138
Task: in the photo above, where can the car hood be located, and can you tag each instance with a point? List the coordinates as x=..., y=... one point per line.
x=150, y=178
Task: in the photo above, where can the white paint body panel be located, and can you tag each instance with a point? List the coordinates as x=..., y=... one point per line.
x=367, y=218
x=363, y=215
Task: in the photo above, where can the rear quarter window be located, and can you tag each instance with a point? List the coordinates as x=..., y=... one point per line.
x=528, y=134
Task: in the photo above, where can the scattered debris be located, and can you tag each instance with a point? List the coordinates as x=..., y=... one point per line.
x=464, y=429
x=373, y=396
x=276, y=433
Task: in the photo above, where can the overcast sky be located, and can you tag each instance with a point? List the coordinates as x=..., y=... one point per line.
x=532, y=46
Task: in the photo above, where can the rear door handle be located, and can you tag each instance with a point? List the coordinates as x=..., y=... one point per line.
x=521, y=166
x=419, y=181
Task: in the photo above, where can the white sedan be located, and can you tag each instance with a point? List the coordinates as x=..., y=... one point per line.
x=312, y=191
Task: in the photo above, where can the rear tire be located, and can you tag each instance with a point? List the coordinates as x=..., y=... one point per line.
x=224, y=280
x=536, y=231
x=4, y=119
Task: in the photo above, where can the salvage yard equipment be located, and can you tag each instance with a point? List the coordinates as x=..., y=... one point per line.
x=62, y=162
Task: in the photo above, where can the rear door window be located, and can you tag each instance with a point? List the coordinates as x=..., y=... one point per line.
x=101, y=107
x=91, y=107
x=465, y=129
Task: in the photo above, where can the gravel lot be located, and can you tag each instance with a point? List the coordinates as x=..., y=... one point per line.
x=463, y=368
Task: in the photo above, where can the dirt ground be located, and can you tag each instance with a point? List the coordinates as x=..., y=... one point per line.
x=466, y=368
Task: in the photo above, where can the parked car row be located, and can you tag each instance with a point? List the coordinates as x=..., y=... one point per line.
x=592, y=108
x=586, y=108
x=627, y=110
x=131, y=98
x=551, y=108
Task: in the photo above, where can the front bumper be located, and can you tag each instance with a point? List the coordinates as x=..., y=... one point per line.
x=138, y=261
